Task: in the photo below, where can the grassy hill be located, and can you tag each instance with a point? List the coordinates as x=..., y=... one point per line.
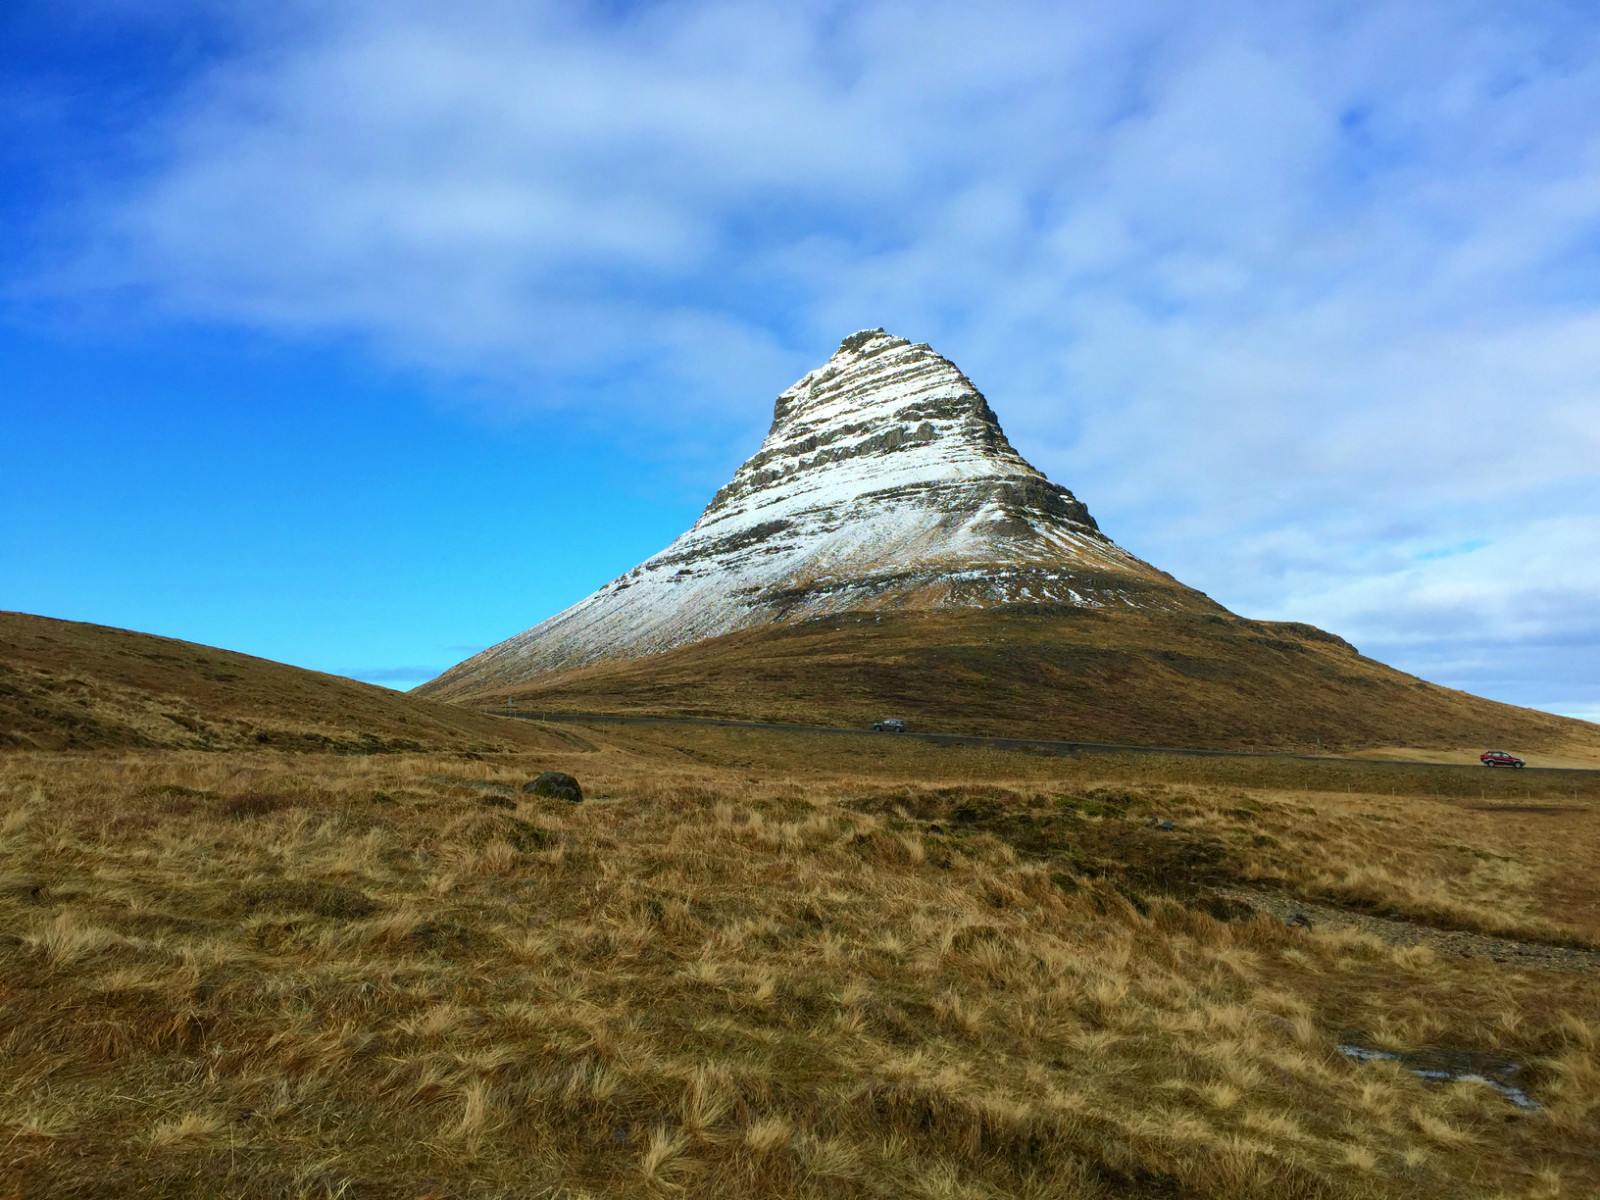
x=66, y=685
x=1197, y=680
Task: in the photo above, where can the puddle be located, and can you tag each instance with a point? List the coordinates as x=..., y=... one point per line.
x=1453, y=1066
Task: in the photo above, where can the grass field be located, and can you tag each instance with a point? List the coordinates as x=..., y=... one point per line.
x=768, y=965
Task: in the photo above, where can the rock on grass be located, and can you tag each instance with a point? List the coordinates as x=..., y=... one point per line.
x=557, y=785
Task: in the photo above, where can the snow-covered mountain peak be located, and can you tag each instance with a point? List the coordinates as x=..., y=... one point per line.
x=885, y=482
x=881, y=414
x=869, y=370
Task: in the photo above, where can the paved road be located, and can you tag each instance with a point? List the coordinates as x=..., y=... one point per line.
x=1046, y=745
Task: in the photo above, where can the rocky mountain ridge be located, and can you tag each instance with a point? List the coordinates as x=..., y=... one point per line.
x=884, y=483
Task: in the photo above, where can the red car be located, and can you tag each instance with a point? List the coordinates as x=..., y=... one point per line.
x=1499, y=758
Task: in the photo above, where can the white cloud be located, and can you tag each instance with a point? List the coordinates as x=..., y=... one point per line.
x=1290, y=294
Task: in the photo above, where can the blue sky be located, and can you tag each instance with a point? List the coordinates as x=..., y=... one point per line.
x=363, y=335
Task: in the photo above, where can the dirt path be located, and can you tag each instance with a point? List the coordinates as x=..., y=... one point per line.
x=1452, y=942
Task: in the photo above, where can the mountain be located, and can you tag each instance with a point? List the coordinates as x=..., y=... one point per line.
x=884, y=484
x=888, y=552
x=67, y=685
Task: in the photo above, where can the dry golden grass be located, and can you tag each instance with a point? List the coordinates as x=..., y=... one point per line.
x=1498, y=852
x=263, y=975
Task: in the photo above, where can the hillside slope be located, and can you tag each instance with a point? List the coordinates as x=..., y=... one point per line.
x=1165, y=678
x=66, y=685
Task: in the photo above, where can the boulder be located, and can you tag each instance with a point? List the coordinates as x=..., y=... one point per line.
x=557, y=785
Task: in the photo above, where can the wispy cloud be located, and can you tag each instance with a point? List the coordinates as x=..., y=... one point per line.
x=1292, y=295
